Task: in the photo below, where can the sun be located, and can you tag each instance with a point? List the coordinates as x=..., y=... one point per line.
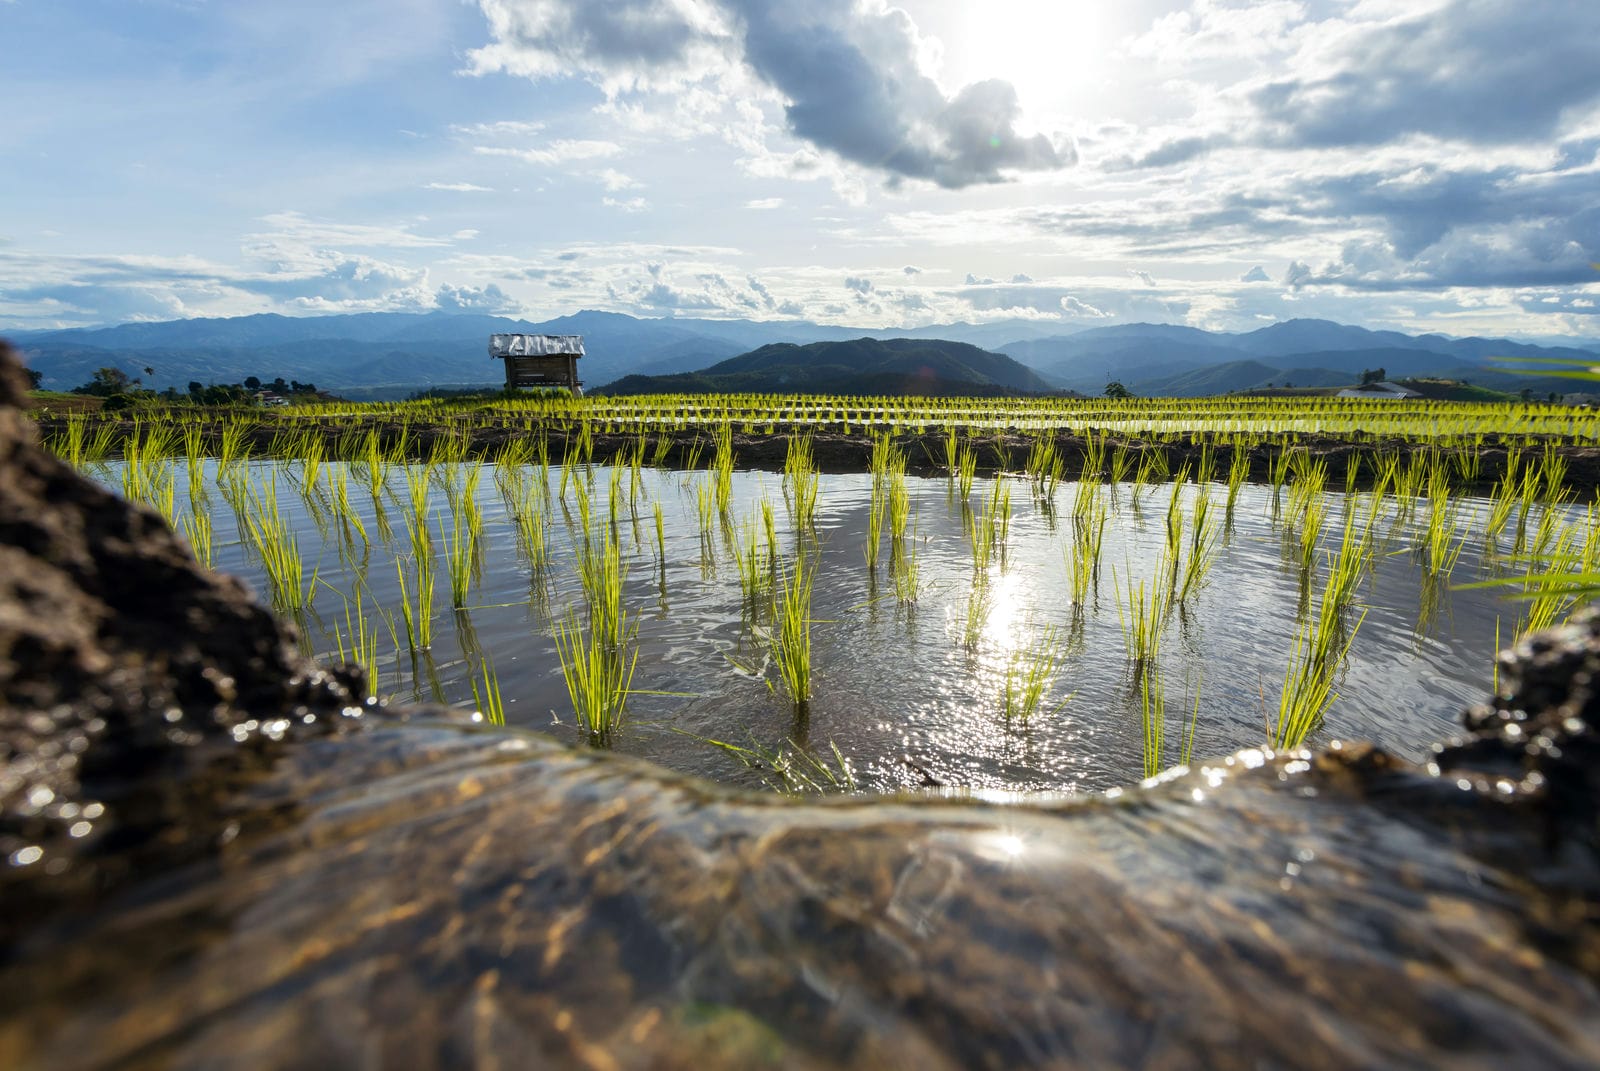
x=1053, y=51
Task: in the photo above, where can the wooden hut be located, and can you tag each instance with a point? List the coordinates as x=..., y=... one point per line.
x=539, y=360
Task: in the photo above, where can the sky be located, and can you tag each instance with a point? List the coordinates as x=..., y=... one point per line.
x=1423, y=165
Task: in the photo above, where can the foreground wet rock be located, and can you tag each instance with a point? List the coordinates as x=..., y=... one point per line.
x=215, y=858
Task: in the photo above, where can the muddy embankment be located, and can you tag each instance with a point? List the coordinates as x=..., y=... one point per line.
x=215, y=855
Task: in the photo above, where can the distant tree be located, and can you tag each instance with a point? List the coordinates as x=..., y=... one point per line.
x=279, y=386
x=195, y=387
x=105, y=382
x=1373, y=375
x=35, y=377
x=252, y=383
x=1527, y=394
x=1115, y=389
x=1288, y=385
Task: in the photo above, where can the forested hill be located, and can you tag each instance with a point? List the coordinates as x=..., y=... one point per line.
x=855, y=366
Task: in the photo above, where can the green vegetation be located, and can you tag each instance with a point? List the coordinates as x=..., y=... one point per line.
x=592, y=487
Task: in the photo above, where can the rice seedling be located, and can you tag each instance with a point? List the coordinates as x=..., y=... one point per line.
x=1083, y=553
x=1121, y=462
x=1141, y=621
x=358, y=644
x=1202, y=548
x=904, y=571
x=197, y=530
x=1320, y=646
x=1030, y=672
x=966, y=471
x=458, y=544
x=790, y=768
x=791, y=637
x=486, y=695
x=975, y=616
x=278, y=549
x=800, y=481
x=1152, y=722
x=722, y=467
x=598, y=672
x=756, y=570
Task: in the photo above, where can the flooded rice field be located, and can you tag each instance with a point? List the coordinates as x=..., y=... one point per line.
x=1010, y=634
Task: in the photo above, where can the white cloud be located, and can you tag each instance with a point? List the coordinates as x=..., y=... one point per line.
x=615, y=180
x=459, y=187
x=557, y=153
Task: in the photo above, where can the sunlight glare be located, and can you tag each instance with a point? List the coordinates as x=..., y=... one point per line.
x=1050, y=51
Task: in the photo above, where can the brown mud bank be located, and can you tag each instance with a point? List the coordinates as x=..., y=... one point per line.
x=215, y=855
x=836, y=449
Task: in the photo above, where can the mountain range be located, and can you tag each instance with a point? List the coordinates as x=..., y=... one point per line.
x=392, y=354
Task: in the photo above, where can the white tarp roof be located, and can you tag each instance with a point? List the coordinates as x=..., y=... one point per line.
x=535, y=345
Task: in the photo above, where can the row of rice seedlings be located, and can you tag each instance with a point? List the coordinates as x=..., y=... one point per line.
x=1030, y=673
x=74, y=445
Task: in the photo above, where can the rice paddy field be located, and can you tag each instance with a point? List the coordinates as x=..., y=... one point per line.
x=845, y=594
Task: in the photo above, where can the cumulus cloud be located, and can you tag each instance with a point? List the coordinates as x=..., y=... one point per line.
x=485, y=299
x=1143, y=276
x=911, y=269
x=858, y=283
x=1257, y=274
x=979, y=280
x=1081, y=310
x=848, y=76
x=1021, y=278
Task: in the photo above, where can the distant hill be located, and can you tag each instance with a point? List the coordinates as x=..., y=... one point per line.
x=1164, y=360
x=385, y=354
x=857, y=366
